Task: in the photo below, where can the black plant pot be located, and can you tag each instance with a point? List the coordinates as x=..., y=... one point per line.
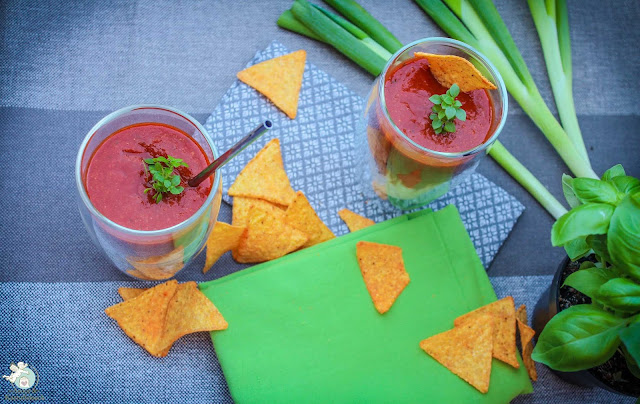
x=547, y=307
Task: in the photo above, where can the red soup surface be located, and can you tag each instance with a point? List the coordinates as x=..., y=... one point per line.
x=116, y=177
x=407, y=89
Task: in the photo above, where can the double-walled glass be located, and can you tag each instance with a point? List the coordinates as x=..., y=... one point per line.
x=407, y=174
x=156, y=254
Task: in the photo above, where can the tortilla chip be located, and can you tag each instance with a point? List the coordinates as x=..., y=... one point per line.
x=521, y=314
x=504, y=341
x=383, y=272
x=450, y=69
x=189, y=311
x=223, y=238
x=466, y=350
x=241, y=207
x=301, y=216
x=526, y=336
x=354, y=221
x=143, y=317
x=279, y=79
x=130, y=293
x=159, y=267
x=267, y=237
x=264, y=177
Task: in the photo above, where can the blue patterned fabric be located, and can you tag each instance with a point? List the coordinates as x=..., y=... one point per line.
x=319, y=152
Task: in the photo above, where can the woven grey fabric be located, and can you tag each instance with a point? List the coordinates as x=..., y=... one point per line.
x=319, y=151
x=82, y=356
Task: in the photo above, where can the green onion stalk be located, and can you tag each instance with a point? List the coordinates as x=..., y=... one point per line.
x=552, y=23
x=319, y=24
x=478, y=24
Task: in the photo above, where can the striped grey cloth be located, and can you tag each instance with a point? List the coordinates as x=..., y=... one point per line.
x=64, y=65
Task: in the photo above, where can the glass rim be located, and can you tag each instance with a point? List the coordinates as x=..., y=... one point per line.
x=479, y=56
x=160, y=232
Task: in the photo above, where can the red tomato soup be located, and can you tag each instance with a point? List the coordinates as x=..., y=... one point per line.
x=407, y=89
x=116, y=177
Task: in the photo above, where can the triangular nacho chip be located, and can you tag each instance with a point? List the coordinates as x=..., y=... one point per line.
x=241, y=206
x=354, y=221
x=301, y=215
x=279, y=79
x=450, y=69
x=504, y=341
x=267, y=237
x=466, y=350
x=521, y=314
x=143, y=318
x=130, y=293
x=264, y=177
x=383, y=272
x=189, y=311
x=526, y=335
x=224, y=237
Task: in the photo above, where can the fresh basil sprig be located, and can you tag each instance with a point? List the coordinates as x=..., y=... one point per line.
x=163, y=178
x=445, y=110
x=605, y=221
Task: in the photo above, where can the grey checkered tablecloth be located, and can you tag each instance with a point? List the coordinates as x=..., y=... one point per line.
x=65, y=65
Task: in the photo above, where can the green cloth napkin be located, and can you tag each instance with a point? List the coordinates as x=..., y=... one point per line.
x=303, y=328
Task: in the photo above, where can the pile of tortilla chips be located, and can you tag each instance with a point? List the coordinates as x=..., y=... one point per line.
x=155, y=318
x=480, y=335
x=270, y=219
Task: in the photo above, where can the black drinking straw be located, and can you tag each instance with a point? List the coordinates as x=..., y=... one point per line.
x=231, y=153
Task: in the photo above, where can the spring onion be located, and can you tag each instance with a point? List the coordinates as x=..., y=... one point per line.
x=478, y=24
x=552, y=23
x=288, y=21
x=360, y=17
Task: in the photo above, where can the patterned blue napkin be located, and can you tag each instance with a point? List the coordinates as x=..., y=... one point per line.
x=319, y=152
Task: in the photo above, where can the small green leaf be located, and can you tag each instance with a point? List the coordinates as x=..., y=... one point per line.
x=149, y=161
x=578, y=338
x=577, y=248
x=433, y=116
x=440, y=114
x=167, y=183
x=454, y=90
x=435, y=99
x=436, y=124
x=457, y=104
x=626, y=184
x=450, y=127
x=147, y=190
x=598, y=243
x=447, y=99
x=461, y=115
x=584, y=220
x=630, y=336
x=436, y=108
x=615, y=171
x=175, y=180
x=567, y=189
x=176, y=190
x=439, y=130
x=450, y=112
x=589, y=280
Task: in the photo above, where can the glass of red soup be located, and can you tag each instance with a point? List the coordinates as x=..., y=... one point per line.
x=410, y=162
x=131, y=172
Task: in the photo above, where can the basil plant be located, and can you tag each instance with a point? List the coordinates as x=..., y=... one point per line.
x=604, y=220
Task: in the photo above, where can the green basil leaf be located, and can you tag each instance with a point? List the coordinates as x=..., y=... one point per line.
x=450, y=126
x=176, y=190
x=626, y=185
x=630, y=336
x=589, y=281
x=578, y=338
x=175, y=180
x=567, y=189
x=620, y=294
x=632, y=364
x=598, y=243
x=461, y=114
x=450, y=112
x=457, y=104
x=581, y=221
x=436, y=124
x=149, y=161
x=623, y=238
x=592, y=190
x=435, y=99
x=454, y=90
x=577, y=248
x=615, y=171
